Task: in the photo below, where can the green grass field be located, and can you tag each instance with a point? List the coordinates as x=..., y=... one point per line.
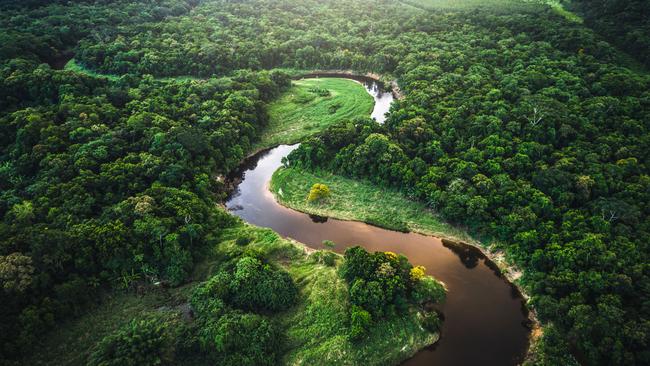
x=303, y=111
x=360, y=201
x=316, y=328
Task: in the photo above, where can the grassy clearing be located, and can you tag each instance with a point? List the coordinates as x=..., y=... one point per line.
x=360, y=201
x=316, y=327
x=310, y=105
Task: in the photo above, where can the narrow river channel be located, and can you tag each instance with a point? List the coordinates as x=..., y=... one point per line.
x=484, y=316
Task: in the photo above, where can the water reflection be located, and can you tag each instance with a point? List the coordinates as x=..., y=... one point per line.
x=467, y=254
x=318, y=219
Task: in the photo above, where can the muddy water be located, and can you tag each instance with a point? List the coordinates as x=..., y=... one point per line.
x=484, y=314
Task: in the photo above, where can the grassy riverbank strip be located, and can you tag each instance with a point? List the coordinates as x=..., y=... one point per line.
x=310, y=106
x=366, y=202
x=359, y=201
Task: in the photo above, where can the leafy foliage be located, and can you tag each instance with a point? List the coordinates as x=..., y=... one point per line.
x=230, y=336
x=122, y=173
x=517, y=123
x=382, y=285
x=258, y=286
x=318, y=192
x=529, y=132
x=625, y=22
x=16, y=272
x=147, y=341
x=241, y=339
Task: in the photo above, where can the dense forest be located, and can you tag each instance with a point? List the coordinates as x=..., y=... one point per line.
x=517, y=123
x=626, y=23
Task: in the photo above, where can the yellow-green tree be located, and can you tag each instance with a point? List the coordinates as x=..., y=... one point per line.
x=318, y=192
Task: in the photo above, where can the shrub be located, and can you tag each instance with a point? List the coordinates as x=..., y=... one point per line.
x=328, y=243
x=360, y=321
x=431, y=321
x=333, y=108
x=318, y=192
x=243, y=240
x=146, y=341
x=324, y=257
x=217, y=287
x=428, y=290
x=320, y=92
x=258, y=286
x=241, y=339
x=369, y=295
x=16, y=272
x=417, y=273
x=358, y=264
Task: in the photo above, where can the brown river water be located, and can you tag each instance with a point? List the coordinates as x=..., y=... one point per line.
x=485, y=320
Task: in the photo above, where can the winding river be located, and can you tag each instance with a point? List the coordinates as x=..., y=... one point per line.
x=485, y=320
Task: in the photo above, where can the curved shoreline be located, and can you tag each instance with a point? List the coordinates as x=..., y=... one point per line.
x=350, y=74
x=493, y=260
x=433, y=337
x=496, y=260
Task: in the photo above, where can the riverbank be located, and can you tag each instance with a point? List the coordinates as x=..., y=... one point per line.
x=311, y=105
x=363, y=201
x=316, y=328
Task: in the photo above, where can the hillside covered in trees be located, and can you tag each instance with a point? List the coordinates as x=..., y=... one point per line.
x=626, y=23
x=519, y=124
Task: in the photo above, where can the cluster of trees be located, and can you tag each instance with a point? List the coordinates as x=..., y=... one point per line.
x=383, y=284
x=147, y=340
x=529, y=133
x=233, y=309
x=519, y=124
x=220, y=36
x=624, y=22
x=47, y=31
x=111, y=183
x=231, y=323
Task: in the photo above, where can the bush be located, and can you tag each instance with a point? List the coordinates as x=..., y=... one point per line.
x=318, y=192
x=428, y=290
x=141, y=342
x=417, y=273
x=243, y=240
x=360, y=321
x=206, y=305
x=258, y=286
x=328, y=243
x=207, y=297
x=324, y=257
x=333, y=108
x=320, y=92
x=431, y=321
x=369, y=295
x=241, y=339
